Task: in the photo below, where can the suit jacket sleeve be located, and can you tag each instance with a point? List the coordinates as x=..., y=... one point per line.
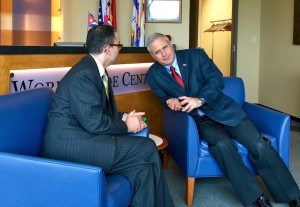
x=90, y=106
x=209, y=78
x=200, y=75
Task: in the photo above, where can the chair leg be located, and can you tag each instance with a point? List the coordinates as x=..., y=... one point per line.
x=190, y=184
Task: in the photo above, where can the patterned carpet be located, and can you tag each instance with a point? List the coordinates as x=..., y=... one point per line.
x=217, y=192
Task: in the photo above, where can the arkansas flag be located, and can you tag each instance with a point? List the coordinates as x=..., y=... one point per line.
x=138, y=24
x=107, y=13
x=91, y=21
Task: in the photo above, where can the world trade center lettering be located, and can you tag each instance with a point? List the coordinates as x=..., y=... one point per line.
x=126, y=78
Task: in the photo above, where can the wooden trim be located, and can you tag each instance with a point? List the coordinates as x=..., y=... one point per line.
x=190, y=185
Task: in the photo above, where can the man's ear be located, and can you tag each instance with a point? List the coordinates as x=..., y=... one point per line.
x=106, y=49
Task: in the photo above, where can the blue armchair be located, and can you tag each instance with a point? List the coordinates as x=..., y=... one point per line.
x=29, y=180
x=191, y=153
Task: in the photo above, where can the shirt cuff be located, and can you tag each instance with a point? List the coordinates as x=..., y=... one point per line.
x=124, y=116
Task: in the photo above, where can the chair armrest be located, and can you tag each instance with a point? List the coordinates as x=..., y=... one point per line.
x=272, y=123
x=33, y=181
x=181, y=132
x=143, y=133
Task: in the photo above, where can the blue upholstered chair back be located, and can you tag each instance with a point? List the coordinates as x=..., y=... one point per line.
x=23, y=117
x=234, y=88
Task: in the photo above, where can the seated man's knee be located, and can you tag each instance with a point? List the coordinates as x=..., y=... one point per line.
x=224, y=145
x=150, y=145
x=261, y=147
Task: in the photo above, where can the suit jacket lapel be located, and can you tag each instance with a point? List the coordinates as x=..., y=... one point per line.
x=167, y=78
x=110, y=101
x=183, y=67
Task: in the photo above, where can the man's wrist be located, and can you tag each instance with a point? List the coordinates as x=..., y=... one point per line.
x=202, y=101
x=124, y=116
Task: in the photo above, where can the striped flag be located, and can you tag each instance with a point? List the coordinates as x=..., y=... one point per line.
x=91, y=21
x=138, y=24
x=107, y=13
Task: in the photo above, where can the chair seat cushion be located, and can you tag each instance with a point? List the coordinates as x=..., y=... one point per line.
x=118, y=191
x=204, y=151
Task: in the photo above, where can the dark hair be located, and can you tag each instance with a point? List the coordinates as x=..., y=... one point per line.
x=98, y=37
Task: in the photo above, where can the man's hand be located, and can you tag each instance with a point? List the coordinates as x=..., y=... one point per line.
x=174, y=104
x=189, y=103
x=134, y=121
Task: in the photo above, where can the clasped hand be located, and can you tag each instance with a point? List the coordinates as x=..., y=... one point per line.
x=134, y=121
x=184, y=103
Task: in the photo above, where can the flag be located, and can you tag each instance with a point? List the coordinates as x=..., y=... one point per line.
x=91, y=21
x=138, y=24
x=107, y=13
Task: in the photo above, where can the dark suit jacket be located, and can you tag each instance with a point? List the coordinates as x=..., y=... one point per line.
x=202, y=79
x=82, y=122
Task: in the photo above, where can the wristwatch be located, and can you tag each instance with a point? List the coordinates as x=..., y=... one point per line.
x=202, y=101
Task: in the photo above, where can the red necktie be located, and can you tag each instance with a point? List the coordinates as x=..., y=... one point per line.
x=176, y=76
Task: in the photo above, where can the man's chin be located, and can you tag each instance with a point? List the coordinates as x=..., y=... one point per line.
x=166, y=63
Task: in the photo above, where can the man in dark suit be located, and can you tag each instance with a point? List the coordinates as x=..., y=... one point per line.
x=189, y=81
x=84, y=125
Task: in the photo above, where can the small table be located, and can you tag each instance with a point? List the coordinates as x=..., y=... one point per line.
x=161, y=144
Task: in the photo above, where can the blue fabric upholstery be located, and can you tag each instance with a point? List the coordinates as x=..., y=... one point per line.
x=117, y=187
x=28, y=180
x=191, y=153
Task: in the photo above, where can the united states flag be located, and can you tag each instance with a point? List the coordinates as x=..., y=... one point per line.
x=107, y=13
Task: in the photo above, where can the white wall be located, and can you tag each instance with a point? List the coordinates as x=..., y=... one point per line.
x=267, y=60
x=74, y=15
x=279, y=58
x=178, y=31
x=75, y=22
x=248, y=46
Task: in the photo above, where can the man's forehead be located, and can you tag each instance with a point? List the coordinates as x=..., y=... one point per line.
x=159, y=45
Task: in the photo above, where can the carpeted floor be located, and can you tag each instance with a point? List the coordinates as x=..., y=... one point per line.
x=217, y=192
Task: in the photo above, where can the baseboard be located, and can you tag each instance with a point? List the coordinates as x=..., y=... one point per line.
x=292, y=117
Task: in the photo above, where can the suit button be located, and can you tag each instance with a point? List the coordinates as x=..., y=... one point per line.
x=113, y=137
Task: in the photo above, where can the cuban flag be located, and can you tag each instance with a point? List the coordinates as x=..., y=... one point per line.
x=91, y=21
x=138, y=24
x=107, y=13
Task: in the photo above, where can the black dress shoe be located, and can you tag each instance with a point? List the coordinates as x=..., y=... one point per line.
x=263, y=201
x=295, y=203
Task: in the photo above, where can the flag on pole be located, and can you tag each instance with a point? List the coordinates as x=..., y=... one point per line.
x=91, y=21
x=107, y=13
x=138, y=24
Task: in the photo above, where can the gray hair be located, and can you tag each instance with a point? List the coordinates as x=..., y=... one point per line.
x=153, y=37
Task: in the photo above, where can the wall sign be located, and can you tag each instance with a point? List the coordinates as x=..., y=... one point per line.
x=126, y=78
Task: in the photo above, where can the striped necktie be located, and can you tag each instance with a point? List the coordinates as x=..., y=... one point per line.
x=176, y=76
x=105, y=83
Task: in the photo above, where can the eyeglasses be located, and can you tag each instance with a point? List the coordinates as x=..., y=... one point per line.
x=117, y=45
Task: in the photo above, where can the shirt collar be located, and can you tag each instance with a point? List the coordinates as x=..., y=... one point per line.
x=99, y=65
x=175, y=65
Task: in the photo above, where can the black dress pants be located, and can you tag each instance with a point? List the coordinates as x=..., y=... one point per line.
x=137, y=159
x=264, y=157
